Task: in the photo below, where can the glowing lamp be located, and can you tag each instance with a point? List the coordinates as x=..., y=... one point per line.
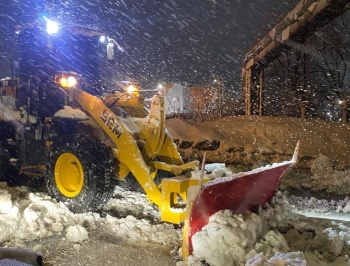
x=66, y=79
x=131, y=89
x=51, y=26
x=68, y=82
x=102, y=39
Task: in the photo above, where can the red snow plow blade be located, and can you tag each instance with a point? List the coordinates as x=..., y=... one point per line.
x=238, y=193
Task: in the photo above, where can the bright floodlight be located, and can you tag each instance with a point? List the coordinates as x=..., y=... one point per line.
x=51, y=26
x=68, y=82
x=131, y=89
x=72, y=81
x=102, y=39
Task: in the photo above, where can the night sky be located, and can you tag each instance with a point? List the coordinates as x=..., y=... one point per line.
x=164, y=40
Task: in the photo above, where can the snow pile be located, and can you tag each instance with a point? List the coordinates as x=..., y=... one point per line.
x=270, y=237
x=344, y=233
x=292, y=258
x=313, y=206
x=334, y=239
x=141, y=230
x=233, y=239
x=226, y=239
x=26, y=216
x=325, y=177
x=212, y=171
x=137, y=219
x=76, y=233
x=277, y=211
x=71, y=113
x=274, y=236
x=9, y=112
x=126, y=203
x=216, y=170
x=8, y=109
x=335, y=243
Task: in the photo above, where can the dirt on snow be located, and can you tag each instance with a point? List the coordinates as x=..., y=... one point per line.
x=248, y=142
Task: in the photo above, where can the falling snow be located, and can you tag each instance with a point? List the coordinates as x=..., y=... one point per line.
x=193, y=42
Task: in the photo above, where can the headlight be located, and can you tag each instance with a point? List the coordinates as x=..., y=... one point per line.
x=68, y=82
x=102, y=39
x=131, y=89
x=66, y=79
x=51, y=26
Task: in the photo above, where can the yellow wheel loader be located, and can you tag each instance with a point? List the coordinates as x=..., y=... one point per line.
x=59, y=121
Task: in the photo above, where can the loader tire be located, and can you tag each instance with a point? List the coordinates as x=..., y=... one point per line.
x=80, y=174
x=8, y=173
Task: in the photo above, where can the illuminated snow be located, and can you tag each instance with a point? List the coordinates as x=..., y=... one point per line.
x=238, y=175
x=232, y=239
x=226, y=238
x=291, y=258
x=76, y=233
x=132, y=124
x=71, y=113
x=9, y=112
x=27, y=216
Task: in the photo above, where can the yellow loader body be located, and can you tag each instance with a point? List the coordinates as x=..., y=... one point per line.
x=139, y=151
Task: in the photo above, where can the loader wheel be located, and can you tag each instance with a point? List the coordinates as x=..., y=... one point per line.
x=8, y=173
x=80, y=175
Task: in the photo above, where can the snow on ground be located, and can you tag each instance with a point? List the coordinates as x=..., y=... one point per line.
x=141, y=222
x=250, y=239
x=228, y=239
x=26, y=216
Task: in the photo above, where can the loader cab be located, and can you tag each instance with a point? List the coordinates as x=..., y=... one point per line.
x=48, y=47
x=53, y=56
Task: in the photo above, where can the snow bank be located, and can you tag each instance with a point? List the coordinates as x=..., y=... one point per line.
x=27, y=216
x=326, y=177
x=141, y=230
x=138, y=219
x=254, y=239
x=292, y=258
x=226, y=238
x=234, y=239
